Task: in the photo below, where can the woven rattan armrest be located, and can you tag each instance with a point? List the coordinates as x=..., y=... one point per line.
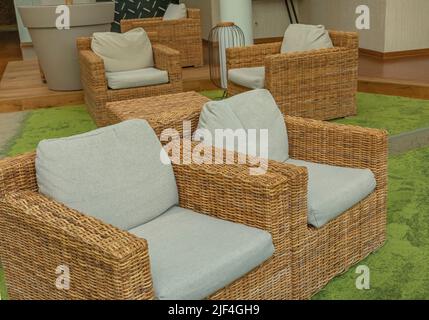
x=17, y=174
x=93, y=74
x=167, y=59
x=104, y=262
x=344, y=39
x=230, y=192
x=336, y=144
x=250, y=56
x=194, y=13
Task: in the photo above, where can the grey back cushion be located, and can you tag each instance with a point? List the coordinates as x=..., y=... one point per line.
x=303, y=37
x=123, y=51
x=254, y=109
x=114, y=174
x=175, y=12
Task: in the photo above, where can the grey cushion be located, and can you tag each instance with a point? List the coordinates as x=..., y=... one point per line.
x=131, y=50
x=114, y=174
x=253, y=78
x=175, y=11
x=136, y=78
x=193, y=255
x=333, y=190
x=254, y=109
x=302, y=37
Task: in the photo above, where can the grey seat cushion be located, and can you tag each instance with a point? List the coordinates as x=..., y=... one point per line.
x=193, y=255
x=333, y=190
x=114, y=174
x=136, y=78
x=253, y=78
x=254, y=109
x=303, y=37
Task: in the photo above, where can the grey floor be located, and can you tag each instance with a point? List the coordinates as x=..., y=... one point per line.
x=10, y=124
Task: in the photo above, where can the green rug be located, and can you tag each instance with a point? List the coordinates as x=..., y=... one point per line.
x=3, y=293
x=395, y=114
x=399, y=270
x=51, y=123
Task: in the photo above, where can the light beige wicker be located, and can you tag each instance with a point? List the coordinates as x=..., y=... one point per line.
x=38, y=234
x=183, y=35
x=318, y=84
x=318, y=255
x=161, y=112
x=94, y=82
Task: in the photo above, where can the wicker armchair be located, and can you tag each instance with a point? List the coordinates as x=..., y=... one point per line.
x=318, y=255
x=38, y=234
x=318, y=84
x=94, y=82
x=183, y=35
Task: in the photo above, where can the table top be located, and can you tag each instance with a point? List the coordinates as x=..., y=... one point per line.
x=161, y=112
x=130, y=109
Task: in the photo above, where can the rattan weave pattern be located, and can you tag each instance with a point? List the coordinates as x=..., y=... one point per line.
x=183, y=35
x=94, y=82
x=318, y=84
x=39, y=234
x=161, y=112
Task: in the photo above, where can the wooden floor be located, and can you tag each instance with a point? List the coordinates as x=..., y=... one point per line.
x=9, y=49
x=408, y=76
x=22, y=88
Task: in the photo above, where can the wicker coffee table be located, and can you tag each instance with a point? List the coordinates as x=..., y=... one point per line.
x=161, y=112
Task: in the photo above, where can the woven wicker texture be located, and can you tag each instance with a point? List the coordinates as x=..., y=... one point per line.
x=161, y=112
x=183, y=35
x=94, y=82
x=320, y=254
x=39, y=234
x=318, y=84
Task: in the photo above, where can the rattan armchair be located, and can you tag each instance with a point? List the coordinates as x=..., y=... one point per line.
x=318, y=255
x=183, y=35
x=318, y=84
x=94, y=82
x=38, y=234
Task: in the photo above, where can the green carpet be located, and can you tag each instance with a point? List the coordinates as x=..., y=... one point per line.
x=395, y=114
x=399, y=270
x=3, y=293
x=51, y=123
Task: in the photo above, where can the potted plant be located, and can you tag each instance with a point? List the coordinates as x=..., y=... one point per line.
x=54, y=29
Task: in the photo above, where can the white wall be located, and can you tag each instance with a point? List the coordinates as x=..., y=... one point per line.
x=396, y=25
x=407, y=25
x=341, y=15
x=270, y=16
